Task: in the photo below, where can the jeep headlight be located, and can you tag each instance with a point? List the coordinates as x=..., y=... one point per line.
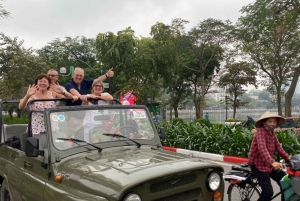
x=214, y=181
x=132, y=197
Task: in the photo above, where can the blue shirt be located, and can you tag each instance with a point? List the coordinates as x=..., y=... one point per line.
x=83, y=90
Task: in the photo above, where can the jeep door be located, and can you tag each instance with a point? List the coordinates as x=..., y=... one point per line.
x=11, y=160
x=34, y=179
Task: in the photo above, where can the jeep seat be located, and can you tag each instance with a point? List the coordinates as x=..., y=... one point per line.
x=14, y=130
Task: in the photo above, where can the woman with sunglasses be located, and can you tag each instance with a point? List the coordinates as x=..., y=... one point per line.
x=97, y=97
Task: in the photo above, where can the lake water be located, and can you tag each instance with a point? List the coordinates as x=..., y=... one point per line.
x=220, y=115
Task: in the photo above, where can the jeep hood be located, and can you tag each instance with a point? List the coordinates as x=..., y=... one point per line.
x=108, y=172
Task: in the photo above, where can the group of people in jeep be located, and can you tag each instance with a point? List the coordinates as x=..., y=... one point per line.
x=46, y=86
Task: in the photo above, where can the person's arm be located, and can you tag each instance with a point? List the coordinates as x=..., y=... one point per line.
x=74, y=92
x=63, y=94
x=23, y=102
x=70, y=88
x=60, y=92
x=109, y=73
x=106, y=97
x=86, y=102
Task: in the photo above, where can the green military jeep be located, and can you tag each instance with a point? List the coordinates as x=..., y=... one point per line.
x=103, y=153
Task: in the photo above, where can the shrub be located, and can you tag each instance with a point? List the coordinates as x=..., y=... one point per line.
x=203, y=121
x=222, y=139
x=15, y=120
x=290, y=141
x=230, y=120
x=177, y=121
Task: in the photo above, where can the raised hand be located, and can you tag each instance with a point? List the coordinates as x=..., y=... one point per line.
x=32, y=89
x=56, y=88
x=110, y=72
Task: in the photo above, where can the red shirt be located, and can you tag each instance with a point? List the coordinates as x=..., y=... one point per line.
x=262, y=149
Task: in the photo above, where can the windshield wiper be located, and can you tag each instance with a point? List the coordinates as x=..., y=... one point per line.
x=122, y=136
x=78, y=140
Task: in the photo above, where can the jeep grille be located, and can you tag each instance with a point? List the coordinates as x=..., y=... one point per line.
x=182, y=196
x=172, y=183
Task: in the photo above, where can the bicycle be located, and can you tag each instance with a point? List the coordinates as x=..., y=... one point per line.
x=245, y=187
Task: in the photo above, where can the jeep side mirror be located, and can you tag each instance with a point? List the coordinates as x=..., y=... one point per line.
x=32, y=147
x=162, y=134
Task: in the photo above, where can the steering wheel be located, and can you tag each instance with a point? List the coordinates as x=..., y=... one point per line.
x=121, y=128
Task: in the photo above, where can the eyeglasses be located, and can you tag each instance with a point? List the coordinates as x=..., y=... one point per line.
x=98, y=86
x=51, y=75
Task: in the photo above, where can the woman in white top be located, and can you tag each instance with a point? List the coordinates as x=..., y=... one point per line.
x=103, y=98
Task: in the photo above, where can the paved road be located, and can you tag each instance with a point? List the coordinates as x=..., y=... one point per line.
x=227, y=167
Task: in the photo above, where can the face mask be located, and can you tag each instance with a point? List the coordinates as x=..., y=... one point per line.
x=269, y=128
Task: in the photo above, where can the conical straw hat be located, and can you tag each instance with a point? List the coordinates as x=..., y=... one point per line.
x=268, y=114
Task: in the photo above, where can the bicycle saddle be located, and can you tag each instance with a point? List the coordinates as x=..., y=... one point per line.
x=239, y=168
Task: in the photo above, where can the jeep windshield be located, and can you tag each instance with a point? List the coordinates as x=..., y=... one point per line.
x=98, y=125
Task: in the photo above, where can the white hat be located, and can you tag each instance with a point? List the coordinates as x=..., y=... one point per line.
x=266, y=115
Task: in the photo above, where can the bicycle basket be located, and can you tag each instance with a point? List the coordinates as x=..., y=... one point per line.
x=295, y=181
x=288, y=191
x=295, y=162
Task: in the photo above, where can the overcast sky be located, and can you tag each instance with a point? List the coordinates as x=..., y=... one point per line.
x=38, y=22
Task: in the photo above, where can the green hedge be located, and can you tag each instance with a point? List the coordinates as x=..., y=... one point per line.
x=15, y=120
x=221, y=138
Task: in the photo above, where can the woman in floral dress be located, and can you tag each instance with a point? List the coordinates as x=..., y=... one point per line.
x=40, y=90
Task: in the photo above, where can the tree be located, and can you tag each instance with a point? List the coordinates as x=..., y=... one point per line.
x=3, y=13
x=285, y=5
x=170, y=45
x=19, y=68
x=271, y=40
x=78, y=51
x=264, y=95
x=135, y=61
x=235, y=76
x=207, y=43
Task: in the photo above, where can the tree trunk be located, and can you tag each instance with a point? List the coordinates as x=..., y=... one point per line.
x=279, y=101
x=175, y=107
x=234, y=112
x=234, y=106
x=197, y=108
x=289, y=94
x=201, y=105
x=171, y=105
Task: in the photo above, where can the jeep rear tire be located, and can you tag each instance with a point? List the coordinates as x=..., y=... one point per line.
x=4, y=193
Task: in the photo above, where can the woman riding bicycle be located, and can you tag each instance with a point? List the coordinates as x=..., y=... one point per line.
x=261, y=156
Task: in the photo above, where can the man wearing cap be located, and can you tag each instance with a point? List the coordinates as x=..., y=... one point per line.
x=261, y=156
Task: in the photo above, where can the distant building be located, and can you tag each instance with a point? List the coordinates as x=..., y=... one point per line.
x=216, y=93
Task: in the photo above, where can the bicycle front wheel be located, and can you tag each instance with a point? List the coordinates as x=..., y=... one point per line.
x=248, y=193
